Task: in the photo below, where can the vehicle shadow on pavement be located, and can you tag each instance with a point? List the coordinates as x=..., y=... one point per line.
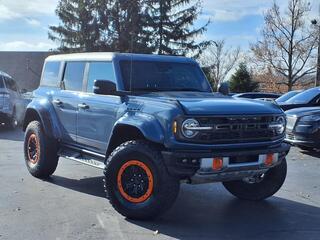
x=315, y=154
x=12, y=135
x=218, y=215
x=91, y=186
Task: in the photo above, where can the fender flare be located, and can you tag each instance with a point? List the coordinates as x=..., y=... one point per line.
x=44, y=112
x=148, y=125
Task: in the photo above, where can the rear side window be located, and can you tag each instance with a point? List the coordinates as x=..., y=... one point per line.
x=100, y=71
x=73, y=76
x=1, y=82
x=51, y=74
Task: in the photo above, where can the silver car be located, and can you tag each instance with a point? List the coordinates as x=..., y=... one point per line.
x=11, y=102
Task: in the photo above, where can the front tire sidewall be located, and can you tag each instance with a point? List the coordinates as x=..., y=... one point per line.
x=116, y=165
x=48, y=159
x=165, y=188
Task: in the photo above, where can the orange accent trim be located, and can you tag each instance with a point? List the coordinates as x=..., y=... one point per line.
x=33, y=137
x=269, y=160
x=217, y=164
x=150, y=178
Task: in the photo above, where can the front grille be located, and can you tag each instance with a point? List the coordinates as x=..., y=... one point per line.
x=237, y=129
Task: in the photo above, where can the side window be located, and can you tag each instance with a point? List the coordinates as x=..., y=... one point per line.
x=14, y=85
x=99, y=71
x=1, y=82
x=50, y=76
x=10, y=84
x=73, y=76
x=317, y=100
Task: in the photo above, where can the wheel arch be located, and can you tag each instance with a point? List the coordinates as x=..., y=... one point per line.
x=44, y=117
x=128, y=129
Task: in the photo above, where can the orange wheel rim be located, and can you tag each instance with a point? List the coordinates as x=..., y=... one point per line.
x=135, y=181
x=33, y=149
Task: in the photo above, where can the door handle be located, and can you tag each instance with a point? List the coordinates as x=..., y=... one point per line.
x=83, y=106
x=58, y=102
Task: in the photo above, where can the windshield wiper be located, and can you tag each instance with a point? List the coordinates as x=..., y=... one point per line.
x=147, y=90
x=168, y=90
x=187, y=90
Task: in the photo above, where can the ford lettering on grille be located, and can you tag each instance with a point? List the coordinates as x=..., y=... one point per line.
x=237, y=129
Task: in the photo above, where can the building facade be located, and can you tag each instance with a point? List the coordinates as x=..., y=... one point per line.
x=24, y=67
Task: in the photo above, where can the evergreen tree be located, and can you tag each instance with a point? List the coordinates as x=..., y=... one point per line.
x=170, y=22
x=241, y=80
x=79, y=30
x=124, y=22
x=138, y=26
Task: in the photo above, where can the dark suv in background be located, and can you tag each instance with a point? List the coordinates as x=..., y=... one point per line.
x=151, y=122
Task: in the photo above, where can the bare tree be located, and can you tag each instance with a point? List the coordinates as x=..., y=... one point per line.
x=287, y=45
x=218, y=61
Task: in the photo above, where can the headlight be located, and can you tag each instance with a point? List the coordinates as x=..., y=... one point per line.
x=311, y=118
x=190, y=127
x=279, y=125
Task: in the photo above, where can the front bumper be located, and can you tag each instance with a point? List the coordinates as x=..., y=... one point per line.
x=303, y=140
x=4, y=118
x=177, y=166
x=306, y=135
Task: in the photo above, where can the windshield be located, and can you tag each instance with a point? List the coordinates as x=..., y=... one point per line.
x=287, y=96
x=163, y=76
x=304, y=97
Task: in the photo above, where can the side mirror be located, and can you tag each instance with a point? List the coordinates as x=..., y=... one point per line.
x=104, y=87
x=23, y=91
x=223, y=88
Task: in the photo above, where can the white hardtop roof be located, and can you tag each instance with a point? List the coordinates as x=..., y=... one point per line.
x=109, y=56
x=98, y=56
x=5, y=74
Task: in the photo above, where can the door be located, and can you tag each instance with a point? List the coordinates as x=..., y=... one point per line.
x=66, y=100
x=14, y=96
x=97, y=113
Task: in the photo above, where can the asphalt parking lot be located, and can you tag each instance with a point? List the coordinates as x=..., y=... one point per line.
x=71, y=205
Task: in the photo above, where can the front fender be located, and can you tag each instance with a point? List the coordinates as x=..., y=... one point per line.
x=43, y=110
x=148, y=125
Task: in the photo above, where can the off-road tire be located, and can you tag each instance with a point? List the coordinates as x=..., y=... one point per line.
x=270, y=184
x=46, y=159
x=165, y=187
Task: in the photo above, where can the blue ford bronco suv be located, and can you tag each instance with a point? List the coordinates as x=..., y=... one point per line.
x=151, y=122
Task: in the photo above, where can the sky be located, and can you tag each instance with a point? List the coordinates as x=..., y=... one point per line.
x=24, y=24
